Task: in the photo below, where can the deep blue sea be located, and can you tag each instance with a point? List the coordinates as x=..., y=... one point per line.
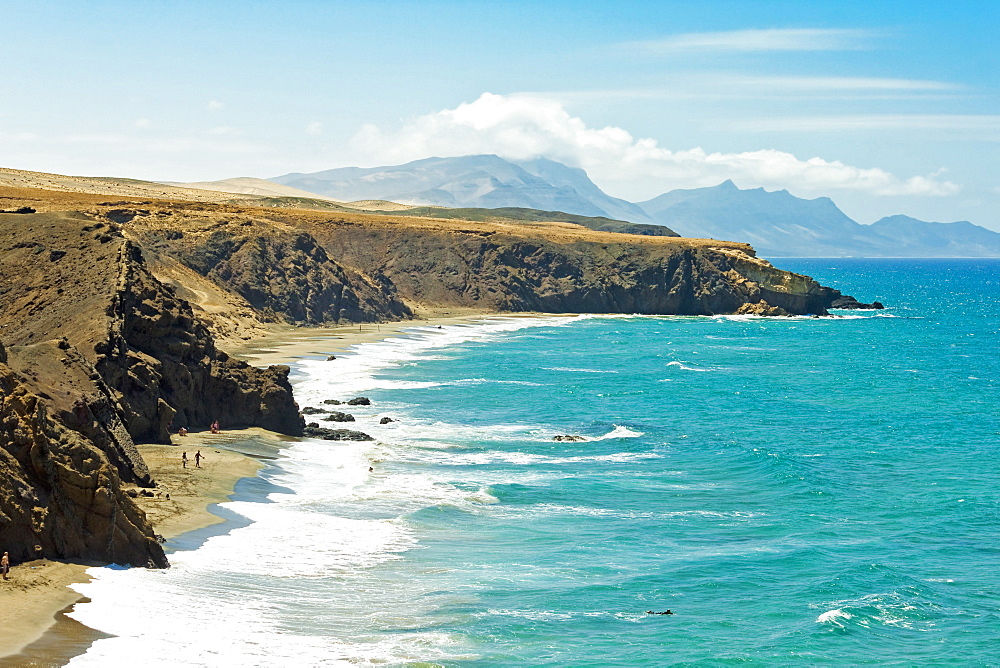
x=795, y=490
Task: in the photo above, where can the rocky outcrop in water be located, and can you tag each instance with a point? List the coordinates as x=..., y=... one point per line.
x=313, y=430
x=845, y=302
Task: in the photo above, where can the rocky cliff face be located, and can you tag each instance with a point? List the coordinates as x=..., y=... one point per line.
x=103, y=354
x=283, y=273
x=60, y=494
x=582, y=274
x=165, y=368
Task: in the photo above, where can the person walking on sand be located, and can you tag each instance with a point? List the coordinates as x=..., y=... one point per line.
x=197, y=458
x=215, y=427
x=5, y=565
x=184, y=460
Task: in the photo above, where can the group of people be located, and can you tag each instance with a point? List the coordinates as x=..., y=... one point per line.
x=214, y=428
x=197, y=459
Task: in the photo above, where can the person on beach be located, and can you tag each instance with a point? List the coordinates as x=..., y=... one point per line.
x=197, y=459
x=184, y=460
x=215, y=427
x=5, y=565
x=182, y=431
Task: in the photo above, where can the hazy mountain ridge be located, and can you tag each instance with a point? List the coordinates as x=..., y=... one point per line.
x=478, y=181
x=776, y=223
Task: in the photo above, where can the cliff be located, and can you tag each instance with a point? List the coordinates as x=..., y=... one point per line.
x=101, y=354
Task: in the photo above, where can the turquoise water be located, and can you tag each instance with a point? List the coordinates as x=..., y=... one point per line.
x=795, y=490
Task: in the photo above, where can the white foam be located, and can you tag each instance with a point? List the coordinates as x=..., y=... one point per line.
x=681, y=365
x=833, y=616
x=619, y=432
x=354, y=371
x=576, y=370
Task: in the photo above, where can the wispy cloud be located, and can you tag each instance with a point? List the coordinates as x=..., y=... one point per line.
x=521, y=127
x=824, y=83
x=224, y=130
x=773, y=39
x=314, y=128
x=18, y=136
x=724, y=85
x=964, y=123
x=214, y=105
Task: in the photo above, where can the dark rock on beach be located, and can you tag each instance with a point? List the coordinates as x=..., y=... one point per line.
x=386, y=420
x=335, y=434
x=309, y=410
x=337, y=416
x=359, y=401
x=332, y=402
x=568, y=437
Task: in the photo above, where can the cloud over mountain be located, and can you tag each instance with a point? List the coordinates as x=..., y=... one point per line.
x=522, y=127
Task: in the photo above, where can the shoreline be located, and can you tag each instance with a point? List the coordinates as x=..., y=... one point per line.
x=34, y=601
x=32, y=612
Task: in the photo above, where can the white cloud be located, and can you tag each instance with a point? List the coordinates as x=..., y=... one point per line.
x=522, y=127
x=775, y=39
x=214, y=105
x=314, y=128
x=143, y=123
x=224, y=130
x=18, y=136
x=969, y=123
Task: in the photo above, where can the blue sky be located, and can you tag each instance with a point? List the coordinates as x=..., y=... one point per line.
x=887, y=107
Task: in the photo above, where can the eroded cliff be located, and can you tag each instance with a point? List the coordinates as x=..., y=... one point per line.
x=100, y=355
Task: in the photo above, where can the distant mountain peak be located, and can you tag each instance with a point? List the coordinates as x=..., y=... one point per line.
x=473, y=181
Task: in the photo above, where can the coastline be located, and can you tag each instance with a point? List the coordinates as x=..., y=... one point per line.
x=33, y=602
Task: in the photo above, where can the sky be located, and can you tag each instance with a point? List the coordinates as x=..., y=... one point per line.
x=886, y=107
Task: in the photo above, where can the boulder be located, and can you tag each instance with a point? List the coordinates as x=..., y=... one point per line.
x=337, y=416
x=335, y=434
x=360, y=401
x=848, y=302
x=386, y=420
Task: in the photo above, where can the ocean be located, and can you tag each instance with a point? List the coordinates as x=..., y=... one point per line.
x=795, y=490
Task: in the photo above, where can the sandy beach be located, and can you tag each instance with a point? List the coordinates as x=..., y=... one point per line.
x=286, y=344
x=33, y=600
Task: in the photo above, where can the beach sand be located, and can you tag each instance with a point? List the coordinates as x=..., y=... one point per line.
x=286, y=344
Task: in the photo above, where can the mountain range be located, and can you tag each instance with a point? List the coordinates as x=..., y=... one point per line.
x=776, y=223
